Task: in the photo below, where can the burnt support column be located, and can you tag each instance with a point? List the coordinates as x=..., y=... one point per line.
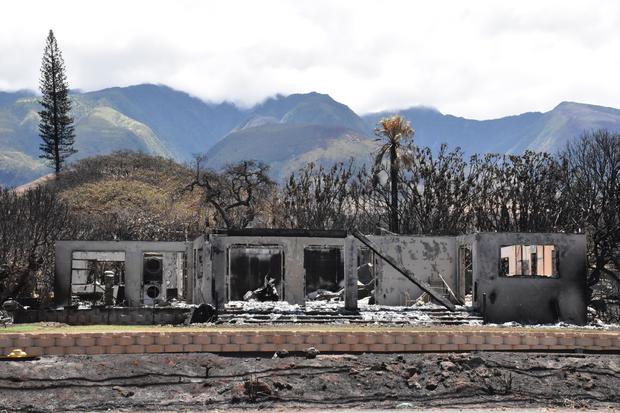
x=108, y=277
x=350, y=273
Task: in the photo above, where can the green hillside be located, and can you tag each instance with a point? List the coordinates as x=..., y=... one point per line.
x=184, y=124
x=287, y=148
x=310, y=109
x=284, y=131
x=99, y=130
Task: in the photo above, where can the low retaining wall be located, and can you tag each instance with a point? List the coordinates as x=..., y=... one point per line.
x=326, y=341
x=104, y=315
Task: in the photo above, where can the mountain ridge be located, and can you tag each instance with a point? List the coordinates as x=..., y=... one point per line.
x=286, y=131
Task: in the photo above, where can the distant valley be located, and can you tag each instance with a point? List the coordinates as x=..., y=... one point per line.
x=284, y=131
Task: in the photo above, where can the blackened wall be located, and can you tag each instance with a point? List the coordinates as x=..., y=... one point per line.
x=530, y=299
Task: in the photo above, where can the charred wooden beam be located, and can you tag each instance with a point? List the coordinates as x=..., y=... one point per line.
x=281, y=232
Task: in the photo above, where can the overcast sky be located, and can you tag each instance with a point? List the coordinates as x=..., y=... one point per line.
x=478, y=59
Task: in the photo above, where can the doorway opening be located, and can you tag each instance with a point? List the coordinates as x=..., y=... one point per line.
x=251, y=267
x=466, y=272
x=324, y=265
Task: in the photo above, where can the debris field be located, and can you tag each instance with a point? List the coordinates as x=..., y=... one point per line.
x=200, y=381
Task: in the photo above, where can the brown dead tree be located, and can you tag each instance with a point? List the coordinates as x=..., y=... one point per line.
x=238, y=194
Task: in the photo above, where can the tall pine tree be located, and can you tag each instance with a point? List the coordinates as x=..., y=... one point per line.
x=56, y=126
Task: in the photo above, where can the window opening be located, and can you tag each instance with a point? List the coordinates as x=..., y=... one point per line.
x=88, y=276
x=529, y=260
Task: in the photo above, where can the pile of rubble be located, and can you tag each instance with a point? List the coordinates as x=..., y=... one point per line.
x=319, y=312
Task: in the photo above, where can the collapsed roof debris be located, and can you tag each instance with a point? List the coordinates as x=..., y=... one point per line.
x=268, y=292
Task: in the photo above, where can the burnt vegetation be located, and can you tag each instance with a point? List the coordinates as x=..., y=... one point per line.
x=134, y=196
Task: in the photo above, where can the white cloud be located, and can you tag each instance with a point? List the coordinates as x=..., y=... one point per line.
x=479, y=59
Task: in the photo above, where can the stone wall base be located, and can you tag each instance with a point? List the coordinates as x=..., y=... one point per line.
x=330, y=341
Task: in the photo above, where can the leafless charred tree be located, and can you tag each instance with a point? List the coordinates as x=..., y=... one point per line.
x=517, y=192
x=320, y=198
x=436, y=193
x=237, y=194
x=591, y=167
x=30, y=223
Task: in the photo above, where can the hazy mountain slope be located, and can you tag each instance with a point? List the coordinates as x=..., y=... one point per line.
x=104, y=130
x=99, y=130
x=184, y=124
x=286, y=147
x=10, y=97
x=432, y=128
x=17, y=168
x=284, y=130
x=549, y=131
x=310, y=108
x=569, y=120
x=19, y=126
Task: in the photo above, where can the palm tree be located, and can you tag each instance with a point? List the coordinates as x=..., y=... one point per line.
x=395, y=132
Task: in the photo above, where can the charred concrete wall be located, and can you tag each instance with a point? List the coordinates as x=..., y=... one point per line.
x=214, y=261
x=529, y=298
x=292, y=286
x=425, y=256
x=134, y=261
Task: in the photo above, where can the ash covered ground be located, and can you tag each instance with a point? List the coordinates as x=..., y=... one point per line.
x=194, y=382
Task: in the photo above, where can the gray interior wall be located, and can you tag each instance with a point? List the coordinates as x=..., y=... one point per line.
x=134, y=251
x=202, y=274
x=292, y=249
x=424, y=256
x=218, y=269
x=172, y=274
x=531, y=299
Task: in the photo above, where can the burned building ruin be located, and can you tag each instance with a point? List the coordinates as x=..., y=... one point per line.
x=523, y=277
